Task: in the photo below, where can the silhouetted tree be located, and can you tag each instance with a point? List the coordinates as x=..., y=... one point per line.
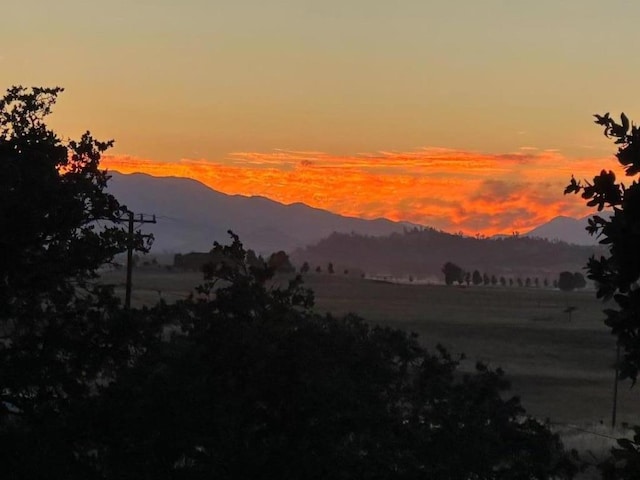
x=318, y=269
x=485, y=279
x=62, y=335
x=545, y=282
x=280, y=262
x=476, y=278
x=555, y=283
x=494, y=280
x=330, y=267
x=467, y=278
x=305, y=268
x=259, y=386
x=452, y=273
x=527, y=282
x=536, y=282
x=511, y=282
x=253, y=260
x=566, y=281
x=579, y=280
x=520, y=284
x=616, y=275
x=503, y=282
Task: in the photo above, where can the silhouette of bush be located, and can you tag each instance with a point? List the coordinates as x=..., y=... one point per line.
x=452, y=273
x=617, y=273
x=259, y=386
x=63, y=336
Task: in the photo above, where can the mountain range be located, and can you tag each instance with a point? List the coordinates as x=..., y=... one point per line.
x=190, y=216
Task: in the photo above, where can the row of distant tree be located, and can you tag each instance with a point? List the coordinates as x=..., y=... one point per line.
x=566, y=281
x=328, y=268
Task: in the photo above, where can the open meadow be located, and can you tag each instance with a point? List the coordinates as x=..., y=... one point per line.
x=561, y=368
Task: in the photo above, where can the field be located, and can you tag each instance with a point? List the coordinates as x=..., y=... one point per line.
x=560, y=367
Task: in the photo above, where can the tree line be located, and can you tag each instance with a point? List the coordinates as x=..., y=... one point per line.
x=566, y=281
x=422, y=252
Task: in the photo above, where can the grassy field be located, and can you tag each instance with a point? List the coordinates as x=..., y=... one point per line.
x=561, y=368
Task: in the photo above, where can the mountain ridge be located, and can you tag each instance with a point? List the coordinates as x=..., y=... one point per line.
x=565, y=229
x=191, y=216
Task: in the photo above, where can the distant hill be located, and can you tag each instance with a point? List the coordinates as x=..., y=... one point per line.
x=564, y=229
x=191, y=216
x=423, y=252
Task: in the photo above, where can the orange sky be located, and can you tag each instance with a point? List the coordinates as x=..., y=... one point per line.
x=303, y=88
x=443, y=188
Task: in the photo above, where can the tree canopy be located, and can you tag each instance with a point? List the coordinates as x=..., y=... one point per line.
x=566, y=281
x=61, y=334
x=452, y=273
x=258, y=385
x=617, y=274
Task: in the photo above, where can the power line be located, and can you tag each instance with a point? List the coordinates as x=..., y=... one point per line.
x=584, y=430
x=130, y=218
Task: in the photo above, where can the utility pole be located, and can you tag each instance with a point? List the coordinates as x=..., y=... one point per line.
x=142, y=218
x=615, y=387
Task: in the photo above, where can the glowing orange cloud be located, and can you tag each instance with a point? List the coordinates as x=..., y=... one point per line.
x=446, y=189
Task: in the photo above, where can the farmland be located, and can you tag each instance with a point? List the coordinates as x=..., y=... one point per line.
x=561, y=367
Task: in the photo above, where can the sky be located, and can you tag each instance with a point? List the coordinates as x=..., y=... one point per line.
x=466, y=115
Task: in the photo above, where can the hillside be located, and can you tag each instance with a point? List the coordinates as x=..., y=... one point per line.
x=564, y=229
x=191, y=216
x=423, y=252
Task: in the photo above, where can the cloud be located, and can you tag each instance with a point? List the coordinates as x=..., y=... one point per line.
x=449, y=189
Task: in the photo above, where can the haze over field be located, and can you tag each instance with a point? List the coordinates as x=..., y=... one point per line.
x=464, y=116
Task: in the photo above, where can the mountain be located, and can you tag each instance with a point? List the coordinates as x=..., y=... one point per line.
x=564, y=229
x=190, y=216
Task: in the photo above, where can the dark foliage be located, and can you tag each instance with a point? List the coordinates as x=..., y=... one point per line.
x=617, y=273
x=62, y=337
x=452, y=273
x=305, y=268
x=280, y=263
x=579, y=280
x=256, y=385
x=424, y=251
x=566, y=281
x=625, y=460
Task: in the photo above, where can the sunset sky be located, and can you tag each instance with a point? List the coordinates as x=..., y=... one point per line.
x=463, y=115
